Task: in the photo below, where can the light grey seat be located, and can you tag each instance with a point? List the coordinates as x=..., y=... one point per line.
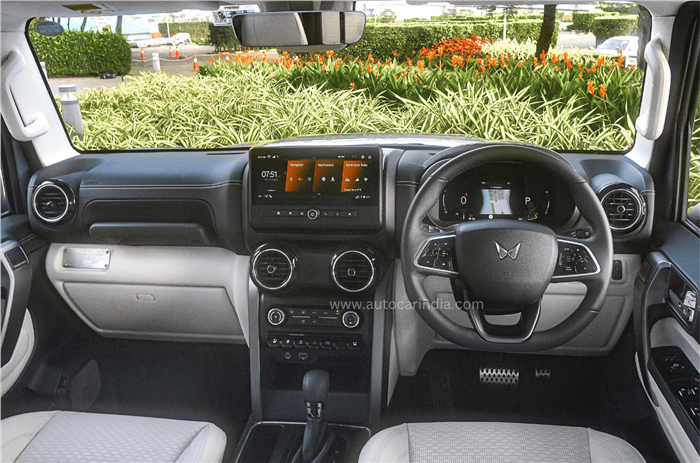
x=495, y=443
x=57, y=436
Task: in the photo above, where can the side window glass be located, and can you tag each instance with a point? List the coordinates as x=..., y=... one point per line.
x=694, y=173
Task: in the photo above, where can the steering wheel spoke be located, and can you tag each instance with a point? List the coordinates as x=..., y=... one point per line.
x=436, y=256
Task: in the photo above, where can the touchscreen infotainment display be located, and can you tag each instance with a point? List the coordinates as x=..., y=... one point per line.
x=315, y=178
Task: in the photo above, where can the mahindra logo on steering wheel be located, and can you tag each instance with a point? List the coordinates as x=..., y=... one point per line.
x=503, y=252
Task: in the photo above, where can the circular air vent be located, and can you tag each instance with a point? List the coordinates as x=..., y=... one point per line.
x=53, y=201
x=272, y=268
x=624, y=207
x=353, y=270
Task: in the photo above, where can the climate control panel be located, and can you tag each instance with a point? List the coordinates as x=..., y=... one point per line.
x=313, y=317
x=314, y=333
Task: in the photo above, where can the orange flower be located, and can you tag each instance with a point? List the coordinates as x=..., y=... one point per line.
x=555, y=60
x=602, y=90
x=580, y=75
x=396, y=77
x=404, y=74
x=591, y=88
x=323, y=68
x=534, y=61
x=415, y=78
x=394, y=53
x=485, y=85
x=601, y=61
x=352, y=86
x=520, y=64
x=543, y=56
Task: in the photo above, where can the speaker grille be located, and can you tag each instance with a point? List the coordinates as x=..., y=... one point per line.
x=272, y=269
x=624, y=209
x=51, y=202
x=353, y=271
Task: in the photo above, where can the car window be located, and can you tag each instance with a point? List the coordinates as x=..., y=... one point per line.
x=181, y=81
x=694, y=171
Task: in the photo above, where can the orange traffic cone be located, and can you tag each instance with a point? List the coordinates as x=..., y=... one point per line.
x=143, y=55
x=177, y=52
x=195, y=68
x=171, y=52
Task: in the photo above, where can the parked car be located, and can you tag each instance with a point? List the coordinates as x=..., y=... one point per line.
x=442, y=251
x=626, y=46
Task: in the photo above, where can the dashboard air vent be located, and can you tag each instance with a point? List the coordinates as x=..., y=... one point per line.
x=624, y=208
x=272, y=268
x=53, y=201
x=353, y=271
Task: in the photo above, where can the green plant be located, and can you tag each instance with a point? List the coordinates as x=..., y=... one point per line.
x=382, y=40
x=75, y=53
x=583, y=21
x=198, y=30
x=223, y=39
x=610, y=26
x=694, y=174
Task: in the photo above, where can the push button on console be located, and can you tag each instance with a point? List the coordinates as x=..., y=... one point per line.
x=312, y=214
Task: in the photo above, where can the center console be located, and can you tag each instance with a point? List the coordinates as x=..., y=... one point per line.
x=317, y=231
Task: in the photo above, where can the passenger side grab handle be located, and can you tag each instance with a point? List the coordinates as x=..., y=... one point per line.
x=13, y=65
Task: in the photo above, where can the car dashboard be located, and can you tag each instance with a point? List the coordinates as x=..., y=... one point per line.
x=294, y=249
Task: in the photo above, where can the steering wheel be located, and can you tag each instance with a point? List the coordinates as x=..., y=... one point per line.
x=505, y=266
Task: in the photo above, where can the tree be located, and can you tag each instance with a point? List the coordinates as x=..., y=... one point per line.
x=82, y=26
x=547, y=29
x=118, y=30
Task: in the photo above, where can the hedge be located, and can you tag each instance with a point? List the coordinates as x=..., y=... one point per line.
x=610, y=26
x=381, y=40
x=198, y=30
x=223, y=39
x=75, y=53
x=583, y=21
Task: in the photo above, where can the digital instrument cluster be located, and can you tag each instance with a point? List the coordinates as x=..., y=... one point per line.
x=506, y=191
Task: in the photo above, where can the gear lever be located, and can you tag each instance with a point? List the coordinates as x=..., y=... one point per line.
x=317, y=435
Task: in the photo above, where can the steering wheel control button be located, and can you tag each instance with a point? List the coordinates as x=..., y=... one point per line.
x=275, y=317
x=574, y=260
x=438, y=253
x=313, y=214
x=351, y=319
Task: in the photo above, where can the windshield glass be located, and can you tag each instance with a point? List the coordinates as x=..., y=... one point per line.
x=519, y=73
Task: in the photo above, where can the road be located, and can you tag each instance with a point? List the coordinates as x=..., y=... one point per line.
x=571, y=40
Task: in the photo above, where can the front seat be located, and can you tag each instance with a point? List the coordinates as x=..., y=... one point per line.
x=91, y=437
x=495, y=443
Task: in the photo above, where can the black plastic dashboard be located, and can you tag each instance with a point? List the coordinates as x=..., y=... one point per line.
x=199, y=198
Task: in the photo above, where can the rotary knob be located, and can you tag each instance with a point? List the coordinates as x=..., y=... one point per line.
x=275, y=317
x=351, y=319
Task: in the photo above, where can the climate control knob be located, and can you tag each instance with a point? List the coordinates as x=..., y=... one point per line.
x=351, y=319
x=276, y=316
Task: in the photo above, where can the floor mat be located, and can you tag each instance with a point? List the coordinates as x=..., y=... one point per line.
x=192, y=381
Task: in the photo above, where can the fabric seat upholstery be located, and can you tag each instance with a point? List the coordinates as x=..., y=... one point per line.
x=495, y=443
x=82, y=437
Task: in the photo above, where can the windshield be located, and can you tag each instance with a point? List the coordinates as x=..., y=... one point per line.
x=499, y=74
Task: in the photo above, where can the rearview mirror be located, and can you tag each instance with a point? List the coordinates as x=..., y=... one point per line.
x=299, y=31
